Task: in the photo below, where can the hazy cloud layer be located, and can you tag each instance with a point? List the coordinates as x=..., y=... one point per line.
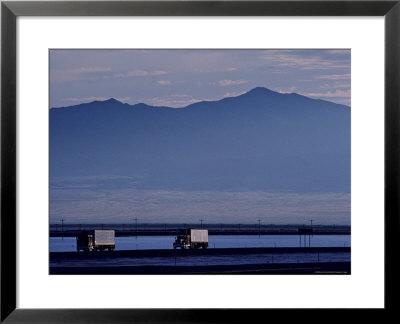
x=84, y=204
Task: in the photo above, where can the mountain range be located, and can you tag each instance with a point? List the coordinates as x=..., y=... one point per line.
x=259, y=141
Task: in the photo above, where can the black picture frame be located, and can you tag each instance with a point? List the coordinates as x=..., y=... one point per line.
x=10, y=10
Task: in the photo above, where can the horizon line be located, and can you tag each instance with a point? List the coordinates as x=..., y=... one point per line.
x=93, y=100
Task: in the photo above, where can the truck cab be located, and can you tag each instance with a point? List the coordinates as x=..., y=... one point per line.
x=182, y=240
x=84, y=241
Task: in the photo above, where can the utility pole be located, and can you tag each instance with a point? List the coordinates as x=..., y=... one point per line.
x=62, y=227
x=201, y=223
x=136, y=219
x=259, y=227
x=311, y=224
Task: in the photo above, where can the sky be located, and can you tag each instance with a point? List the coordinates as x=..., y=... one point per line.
x=177, y=78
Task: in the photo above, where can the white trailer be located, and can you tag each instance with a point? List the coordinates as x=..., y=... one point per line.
x=97, y=240
x=192, y=239
x=199, y=236
x=104, y=238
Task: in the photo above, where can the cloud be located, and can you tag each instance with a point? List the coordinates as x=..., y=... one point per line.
x=289, y=90
x=339, y=51
x=289, y=60
x=278, y=72
x=180, y=96
x=139, y=73
x=85, y=99
x=336, y=85
x=330, y=94
x=123, y=99
x=226, y=83
x=172, y=102
x=234, y=94
x=81, y=73
x=164, y=82
x=91, y=70
x=183, y=100
x=334, y=77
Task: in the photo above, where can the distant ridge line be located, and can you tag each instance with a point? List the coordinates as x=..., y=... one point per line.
x=253, y=91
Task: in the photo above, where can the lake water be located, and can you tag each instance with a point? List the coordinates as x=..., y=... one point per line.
x=58, y=244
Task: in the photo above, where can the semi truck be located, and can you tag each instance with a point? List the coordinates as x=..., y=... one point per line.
x=96, y=240
x=192, y=239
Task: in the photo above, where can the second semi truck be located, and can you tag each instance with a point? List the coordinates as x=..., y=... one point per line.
x=192, y=239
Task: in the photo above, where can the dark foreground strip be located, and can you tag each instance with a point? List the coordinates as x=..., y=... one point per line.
x=277, y=268
x=54, y=256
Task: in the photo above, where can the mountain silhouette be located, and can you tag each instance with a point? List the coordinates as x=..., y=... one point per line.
x=261, y=140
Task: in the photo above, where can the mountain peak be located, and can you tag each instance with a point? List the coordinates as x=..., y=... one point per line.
x=112, y=101
x=260, y=90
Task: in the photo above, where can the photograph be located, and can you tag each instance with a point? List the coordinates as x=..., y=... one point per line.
x=199, y=161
